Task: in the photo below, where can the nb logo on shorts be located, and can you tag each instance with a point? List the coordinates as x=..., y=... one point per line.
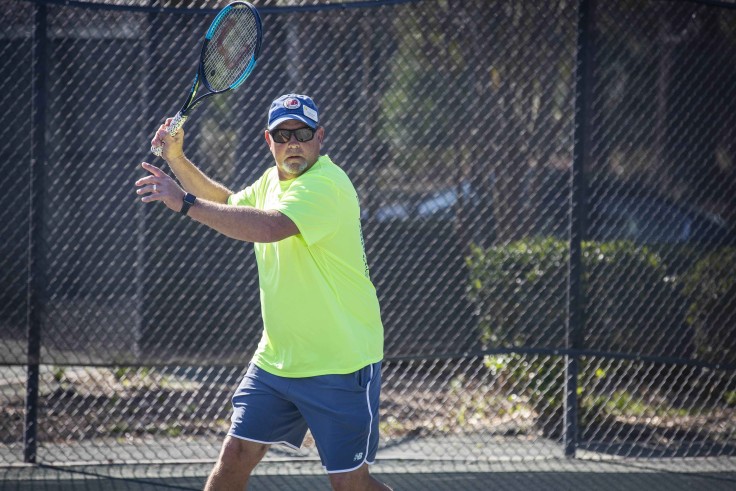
x=358, y=456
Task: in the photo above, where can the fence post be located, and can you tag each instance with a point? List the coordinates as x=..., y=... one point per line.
x=581, y=155
x=36, y=264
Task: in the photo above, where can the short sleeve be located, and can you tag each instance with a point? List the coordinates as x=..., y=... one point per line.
x=312, y=204
x=246, y=197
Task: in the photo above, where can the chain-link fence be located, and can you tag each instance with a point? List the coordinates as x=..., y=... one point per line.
x=549, y=208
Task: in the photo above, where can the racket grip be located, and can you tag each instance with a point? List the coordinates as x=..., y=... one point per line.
x=174, y=127
x=177, y=123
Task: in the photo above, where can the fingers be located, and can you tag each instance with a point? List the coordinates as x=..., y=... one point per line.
x=159, y=139
x=159, y=187
x=164, y=129
x=147, y=181
x=161, y=132
x=149, y=190
x=171, y=145
x=152, y=169
x=150, y=193
x=151, y=187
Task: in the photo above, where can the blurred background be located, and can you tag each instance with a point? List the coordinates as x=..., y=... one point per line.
x=548, y=197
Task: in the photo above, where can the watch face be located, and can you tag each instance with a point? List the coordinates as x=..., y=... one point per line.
x=189, y=199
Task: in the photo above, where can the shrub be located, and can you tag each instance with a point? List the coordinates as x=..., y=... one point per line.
x=710, y=287
x=519, y=293
x=539, y=379
x=631, y=304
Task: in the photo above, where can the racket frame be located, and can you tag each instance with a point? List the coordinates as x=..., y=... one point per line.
x=200, y=77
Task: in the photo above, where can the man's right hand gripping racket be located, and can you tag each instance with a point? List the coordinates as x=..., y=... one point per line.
x=229, y=53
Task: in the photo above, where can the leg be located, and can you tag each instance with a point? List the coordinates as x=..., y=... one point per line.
x=357, y=480
x=342, y=412
x=261, y=416
x=237, y=460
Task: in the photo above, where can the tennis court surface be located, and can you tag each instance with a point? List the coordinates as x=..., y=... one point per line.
x=402, y=469
x=545, y=475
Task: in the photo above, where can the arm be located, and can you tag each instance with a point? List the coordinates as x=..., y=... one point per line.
x=189, y=175
x=244, y=222
x=196, y=182
x=238, y=222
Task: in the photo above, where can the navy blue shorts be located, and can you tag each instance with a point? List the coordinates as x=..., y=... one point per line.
x=341, y=411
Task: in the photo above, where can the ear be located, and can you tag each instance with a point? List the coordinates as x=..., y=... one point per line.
x=267, y=136
x=320, y=134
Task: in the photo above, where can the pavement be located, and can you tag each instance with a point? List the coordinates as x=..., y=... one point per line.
x=452, y=464
x=521, y=476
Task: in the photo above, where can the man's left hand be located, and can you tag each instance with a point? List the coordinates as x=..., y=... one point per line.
x=158, y=186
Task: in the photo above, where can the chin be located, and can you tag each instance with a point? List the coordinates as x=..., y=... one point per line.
x=294, y=169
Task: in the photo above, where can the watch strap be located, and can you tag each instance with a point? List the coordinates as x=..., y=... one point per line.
x=189, y=200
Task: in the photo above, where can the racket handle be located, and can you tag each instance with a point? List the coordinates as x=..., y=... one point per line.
x=174, y=127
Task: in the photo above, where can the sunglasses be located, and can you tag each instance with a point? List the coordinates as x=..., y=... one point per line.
x=283, y=136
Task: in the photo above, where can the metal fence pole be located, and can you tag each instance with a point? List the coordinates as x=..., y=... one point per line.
x=36, y=268
x=575, y=317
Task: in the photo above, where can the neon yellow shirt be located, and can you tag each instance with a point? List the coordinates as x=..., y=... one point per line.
x=320, y=310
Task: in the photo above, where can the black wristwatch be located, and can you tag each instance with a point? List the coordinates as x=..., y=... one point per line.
x=189, y=200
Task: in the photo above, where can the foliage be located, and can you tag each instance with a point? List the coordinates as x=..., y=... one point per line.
x=536, y=378
x=730, y=398
x=711, y=289
x=632, y=305
x=519, y=291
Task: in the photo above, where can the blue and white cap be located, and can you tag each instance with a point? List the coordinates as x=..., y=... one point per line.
x=293, y=106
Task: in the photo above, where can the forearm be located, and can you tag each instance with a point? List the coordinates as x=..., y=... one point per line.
x=196, y=182
x=243, y=222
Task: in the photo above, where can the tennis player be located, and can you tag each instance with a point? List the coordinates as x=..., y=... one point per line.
x=318, y=364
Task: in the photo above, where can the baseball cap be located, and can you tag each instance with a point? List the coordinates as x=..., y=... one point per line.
x=293, y=106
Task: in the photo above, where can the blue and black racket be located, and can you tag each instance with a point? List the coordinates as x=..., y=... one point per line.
x=229, y=53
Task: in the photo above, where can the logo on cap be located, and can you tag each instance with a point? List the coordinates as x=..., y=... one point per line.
x=292, y=103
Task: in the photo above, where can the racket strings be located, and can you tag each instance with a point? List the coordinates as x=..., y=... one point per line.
x=231, y=48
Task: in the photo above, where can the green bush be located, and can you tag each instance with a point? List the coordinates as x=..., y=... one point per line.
x=710, y=287
x=520, y=294
x=631, y=305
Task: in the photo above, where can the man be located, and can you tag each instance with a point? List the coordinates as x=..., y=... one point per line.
x=318, y=363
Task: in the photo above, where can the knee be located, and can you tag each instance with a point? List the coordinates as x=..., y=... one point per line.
x=344, y=481
x=241, y=453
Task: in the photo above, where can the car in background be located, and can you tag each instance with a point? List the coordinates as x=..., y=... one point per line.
x=624, y=212
x=616, y=211
x=399, y=206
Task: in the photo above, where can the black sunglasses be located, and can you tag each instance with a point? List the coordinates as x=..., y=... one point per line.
x=283, y=136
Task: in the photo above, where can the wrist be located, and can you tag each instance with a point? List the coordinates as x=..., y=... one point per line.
x=176, y=160
x=187, y=202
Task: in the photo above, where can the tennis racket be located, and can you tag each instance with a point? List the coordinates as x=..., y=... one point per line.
x=229, y=53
